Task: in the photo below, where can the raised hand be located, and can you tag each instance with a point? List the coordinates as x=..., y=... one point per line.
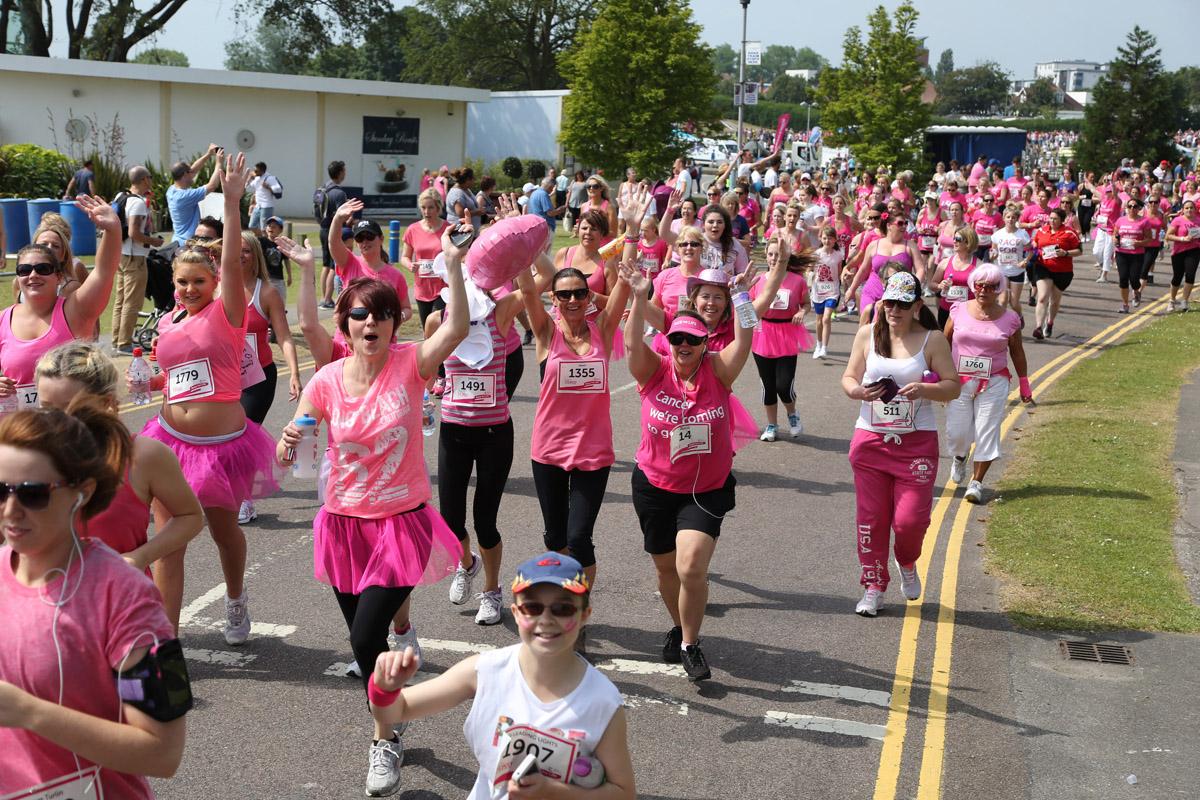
x=634, y=206
x=235, y=176
x=348, y=209
x=303, y=256
x=393, y=669
x=638, y=282
x=99, y=212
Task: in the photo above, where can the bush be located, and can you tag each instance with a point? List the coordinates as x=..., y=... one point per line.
x=535, y=170
x=513, y=168
x=27, y=170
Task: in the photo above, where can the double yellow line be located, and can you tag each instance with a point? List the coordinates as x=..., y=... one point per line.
x=933, y=754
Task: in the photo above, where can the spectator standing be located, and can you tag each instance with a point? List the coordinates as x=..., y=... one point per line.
x=277, y=263
x=561, y=183
x=265, y=189
x=82, y=182
x=131, y=275
x=183, y=200
x=540, y=204
x=326, y=201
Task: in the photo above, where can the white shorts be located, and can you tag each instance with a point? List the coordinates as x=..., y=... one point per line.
x=977, y=419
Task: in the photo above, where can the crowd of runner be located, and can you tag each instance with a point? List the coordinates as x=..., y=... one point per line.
x=686, y=282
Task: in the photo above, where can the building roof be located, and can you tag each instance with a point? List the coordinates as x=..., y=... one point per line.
x=249, y=80
x=971, y=129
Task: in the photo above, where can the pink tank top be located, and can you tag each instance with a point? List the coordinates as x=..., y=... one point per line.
x=927, y=230
x=687, y=438
x=256, y=327
x=597, y=281
x=124, y=524
x=202, y=356
x=572, y=428
x=980, y=346
x=19, y=357
x=512, y=342
x=477, y=397
x=959, y=290
x=792, y=294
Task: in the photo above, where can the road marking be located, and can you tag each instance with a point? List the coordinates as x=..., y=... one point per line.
x=624, y=388
x=268, y=629
x=223, y=658
x=872, y=696
x=639, y=700
x=189, y=612
x=450, y=646
x=633, y=667
x=805, y=722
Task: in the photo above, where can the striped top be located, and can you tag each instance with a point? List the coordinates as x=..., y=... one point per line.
x=477, y=398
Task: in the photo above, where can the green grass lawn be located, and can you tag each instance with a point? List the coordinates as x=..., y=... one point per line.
x=1081, y=534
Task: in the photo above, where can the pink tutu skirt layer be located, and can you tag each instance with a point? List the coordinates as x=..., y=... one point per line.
x=743, y=427
x=408, y=549
x=779, y=339
x=224, y=474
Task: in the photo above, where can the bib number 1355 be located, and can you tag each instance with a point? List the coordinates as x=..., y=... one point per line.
x=581, y=377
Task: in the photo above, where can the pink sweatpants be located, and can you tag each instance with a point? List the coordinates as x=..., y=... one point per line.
x=893, y=485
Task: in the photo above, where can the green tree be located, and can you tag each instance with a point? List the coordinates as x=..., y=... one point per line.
x=272, y=48
x=787, y=89
x=872, y=102
x=616, y=117
x=1041, y=98
x=161, y=55
x=945, y=66
x=981, y=90
x=1188, y=79
x=725, y=60
x=1135, y=110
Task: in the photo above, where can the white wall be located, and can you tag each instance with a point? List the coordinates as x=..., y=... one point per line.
x=522, y=124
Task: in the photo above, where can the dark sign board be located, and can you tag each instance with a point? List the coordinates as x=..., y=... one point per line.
x=391, y=136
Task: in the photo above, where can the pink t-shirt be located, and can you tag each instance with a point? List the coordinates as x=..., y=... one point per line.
x=115, y=609
x=792, y=294
x=355, y=267
x=425, y=248
x=985, y=225
x=687, y=437
x=1183, y=226
x=572, y=427
x=977, y=172
x=982, y=338
x=19, y=357
x=1127, y=231
x=1035, y=213
x=375, y=441
x=1015, y=185
x=946, y=200
x=1107, y=213
x=652, y=257
x=670, y=289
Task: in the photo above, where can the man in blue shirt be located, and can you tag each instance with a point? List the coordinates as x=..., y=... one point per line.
x=81, y=182
x=540, y=203
x=183, y=201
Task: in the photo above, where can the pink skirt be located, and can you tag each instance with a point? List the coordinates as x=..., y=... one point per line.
x=222, y=471
x=742, y=424
x=407, y=549
x=779, y=339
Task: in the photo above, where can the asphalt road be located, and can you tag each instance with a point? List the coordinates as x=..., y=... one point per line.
x=803, y=690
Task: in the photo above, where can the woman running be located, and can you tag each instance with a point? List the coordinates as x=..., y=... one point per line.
x=722, y=252
x=984, y=336
x=928, y=222
x=894, y=451
x=1107, y=212
x=955, y=219
x=825, y=287
x=78, y=622
x=422, y=244
x=1184, y=235
x=1056, y=246
x=1012, y=251
x=986, y=220
x=375, y=537
x=893, y=246
x=951, y=277
x=80, y=369
x=1154, y=216
x=45, y=319
x=225, y=458
x=780, y=300
x=1131, y=236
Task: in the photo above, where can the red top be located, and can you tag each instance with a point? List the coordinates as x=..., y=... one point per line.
x=257, y=326
x=1064, y=241
x=124, y=524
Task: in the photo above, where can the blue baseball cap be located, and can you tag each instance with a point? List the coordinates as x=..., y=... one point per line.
x=553, y=568
x=277, y=220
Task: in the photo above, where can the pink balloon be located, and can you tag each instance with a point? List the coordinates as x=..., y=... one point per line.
x=506, y=248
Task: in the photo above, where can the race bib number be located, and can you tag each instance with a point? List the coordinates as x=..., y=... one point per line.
x=1007, y=258
x=252, y=371
x=975, y=367
x=826, y=290
x=1194, y=233
x=82, y=785
x=926, y=242
x=682, y=303
x=690, y=440
x=1049, y=252
x=1101, y=220
x=956, y=294
x=581, y=377
x=425, y=269
x=473, y=389
x=894, y=416
x=1128, y=242
x=985, y=239
x=782, y=298
x=27, y=396
x=650, y=267
x=1086, y=202
x=191, y=380
x=553, y=753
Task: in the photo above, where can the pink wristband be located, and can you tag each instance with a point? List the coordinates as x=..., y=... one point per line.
x=1025, y=390
x=379, y=697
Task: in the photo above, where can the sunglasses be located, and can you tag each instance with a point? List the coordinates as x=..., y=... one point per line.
x=991, y=287
x=959, y=240
x=360, y=314
x=34, y=496
x=714, y=194
x=679, y=337
x=873, y=219
x=365, y=237
x=42, y=268
x=900, y=304
x=592, y=186
x=559, y=609
x=687, y=244
x=566, y=295
x=988, y=200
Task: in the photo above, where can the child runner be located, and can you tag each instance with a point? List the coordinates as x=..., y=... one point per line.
x=825, y=286
x=780, y=337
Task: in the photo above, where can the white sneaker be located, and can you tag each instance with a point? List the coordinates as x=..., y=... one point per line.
x=795, y=427
x=871, y=600
x=1183, y=306
x=400, y=641
x=1170, y=306
x=1103, y=277
x=237, y=620
x=460, y=584
x=910, y=581
x=489, y=607
x=768, y=434
x=958, y=469
x=383, y=774
x=247, y=513
x=352, y=670
x=817, y=351
x=974, y=492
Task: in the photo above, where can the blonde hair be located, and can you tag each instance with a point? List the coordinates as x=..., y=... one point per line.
x=432, y=195
x=84, y=362
x=206, y=254
x=256, y=255
x=970, y=235
x=57, y=224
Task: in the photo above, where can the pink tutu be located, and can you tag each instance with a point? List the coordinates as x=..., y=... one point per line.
x=780, y=339
x=408, y=549
x=742, y=424
x=224, y=471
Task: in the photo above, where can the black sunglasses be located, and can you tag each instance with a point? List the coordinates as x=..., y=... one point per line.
x=365, y=237
x=959, y=240
x=874, y=218
x=679, y=337
x=593, y=186
x=687, y=244
x=567, y=295
x=33, y=495
x=559, y=609
x=42, y=268
x=900, y=304
x=360, y=313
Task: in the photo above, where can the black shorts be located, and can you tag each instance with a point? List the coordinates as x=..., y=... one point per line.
x=664, y=514
x=1018, y=278
x=326, y=256
x=1061, y=279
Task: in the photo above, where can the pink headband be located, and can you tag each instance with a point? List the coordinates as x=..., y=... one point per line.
x=688, y=324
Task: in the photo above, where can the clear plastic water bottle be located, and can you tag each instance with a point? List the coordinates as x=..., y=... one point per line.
x=744, y=309
x=427, y=419
x=10, y=403
x=305, y=465
x=139, y=378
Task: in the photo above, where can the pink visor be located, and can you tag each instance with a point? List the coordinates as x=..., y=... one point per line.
x=690, y=325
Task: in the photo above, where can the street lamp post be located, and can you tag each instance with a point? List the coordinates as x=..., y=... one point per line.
x=742, y=73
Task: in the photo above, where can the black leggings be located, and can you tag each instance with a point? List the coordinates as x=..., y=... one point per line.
x=1148, y=259
x=514, y=368
x=1183, y=267
x=1129, y=271
x=570, y=503
x=490, y=451
x=778, y=376
x=256, y=400
x=368, y=616
x=427, y=307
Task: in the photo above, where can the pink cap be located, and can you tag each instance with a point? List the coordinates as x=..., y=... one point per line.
x=686, y=323
x=712, y=277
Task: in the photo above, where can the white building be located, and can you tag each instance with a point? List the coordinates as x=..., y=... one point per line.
x=522, y=124
x=1072, y=76
x=803, y=74
x=385, y=132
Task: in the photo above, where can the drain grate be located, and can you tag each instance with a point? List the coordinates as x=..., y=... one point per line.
x=1095, y=653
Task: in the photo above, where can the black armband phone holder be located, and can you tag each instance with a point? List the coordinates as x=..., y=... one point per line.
x=158, y=685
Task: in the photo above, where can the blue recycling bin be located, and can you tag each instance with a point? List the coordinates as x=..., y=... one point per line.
x=16, y=223
x=394, y=241
x=83, y=230
x=34, y=209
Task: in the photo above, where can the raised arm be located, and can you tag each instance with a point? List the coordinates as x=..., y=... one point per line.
x=233, y=288
x=436, y=349
x=319, y=342
x=643, y=362
x=85, y=305
x=664, y=225
x=337, y=248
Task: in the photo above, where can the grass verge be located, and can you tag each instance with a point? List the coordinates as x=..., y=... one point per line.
x=1082, y=530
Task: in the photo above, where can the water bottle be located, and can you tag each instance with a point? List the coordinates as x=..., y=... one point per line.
x=305, y=465
x=587, y=772
x=10, y=403
x=744, y=309
x=427, y=420
x=152, y=359
x=139, y=378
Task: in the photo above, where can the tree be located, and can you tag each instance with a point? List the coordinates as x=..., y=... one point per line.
x=1041, y=98
x=161, y=55
x=1135, y=110
x=1188, y=79
x=945, y=66
x=978, y=90
x=616, y=117
x=725, y=60
x=272, y=48
x=872, y=102
x=787, y=89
